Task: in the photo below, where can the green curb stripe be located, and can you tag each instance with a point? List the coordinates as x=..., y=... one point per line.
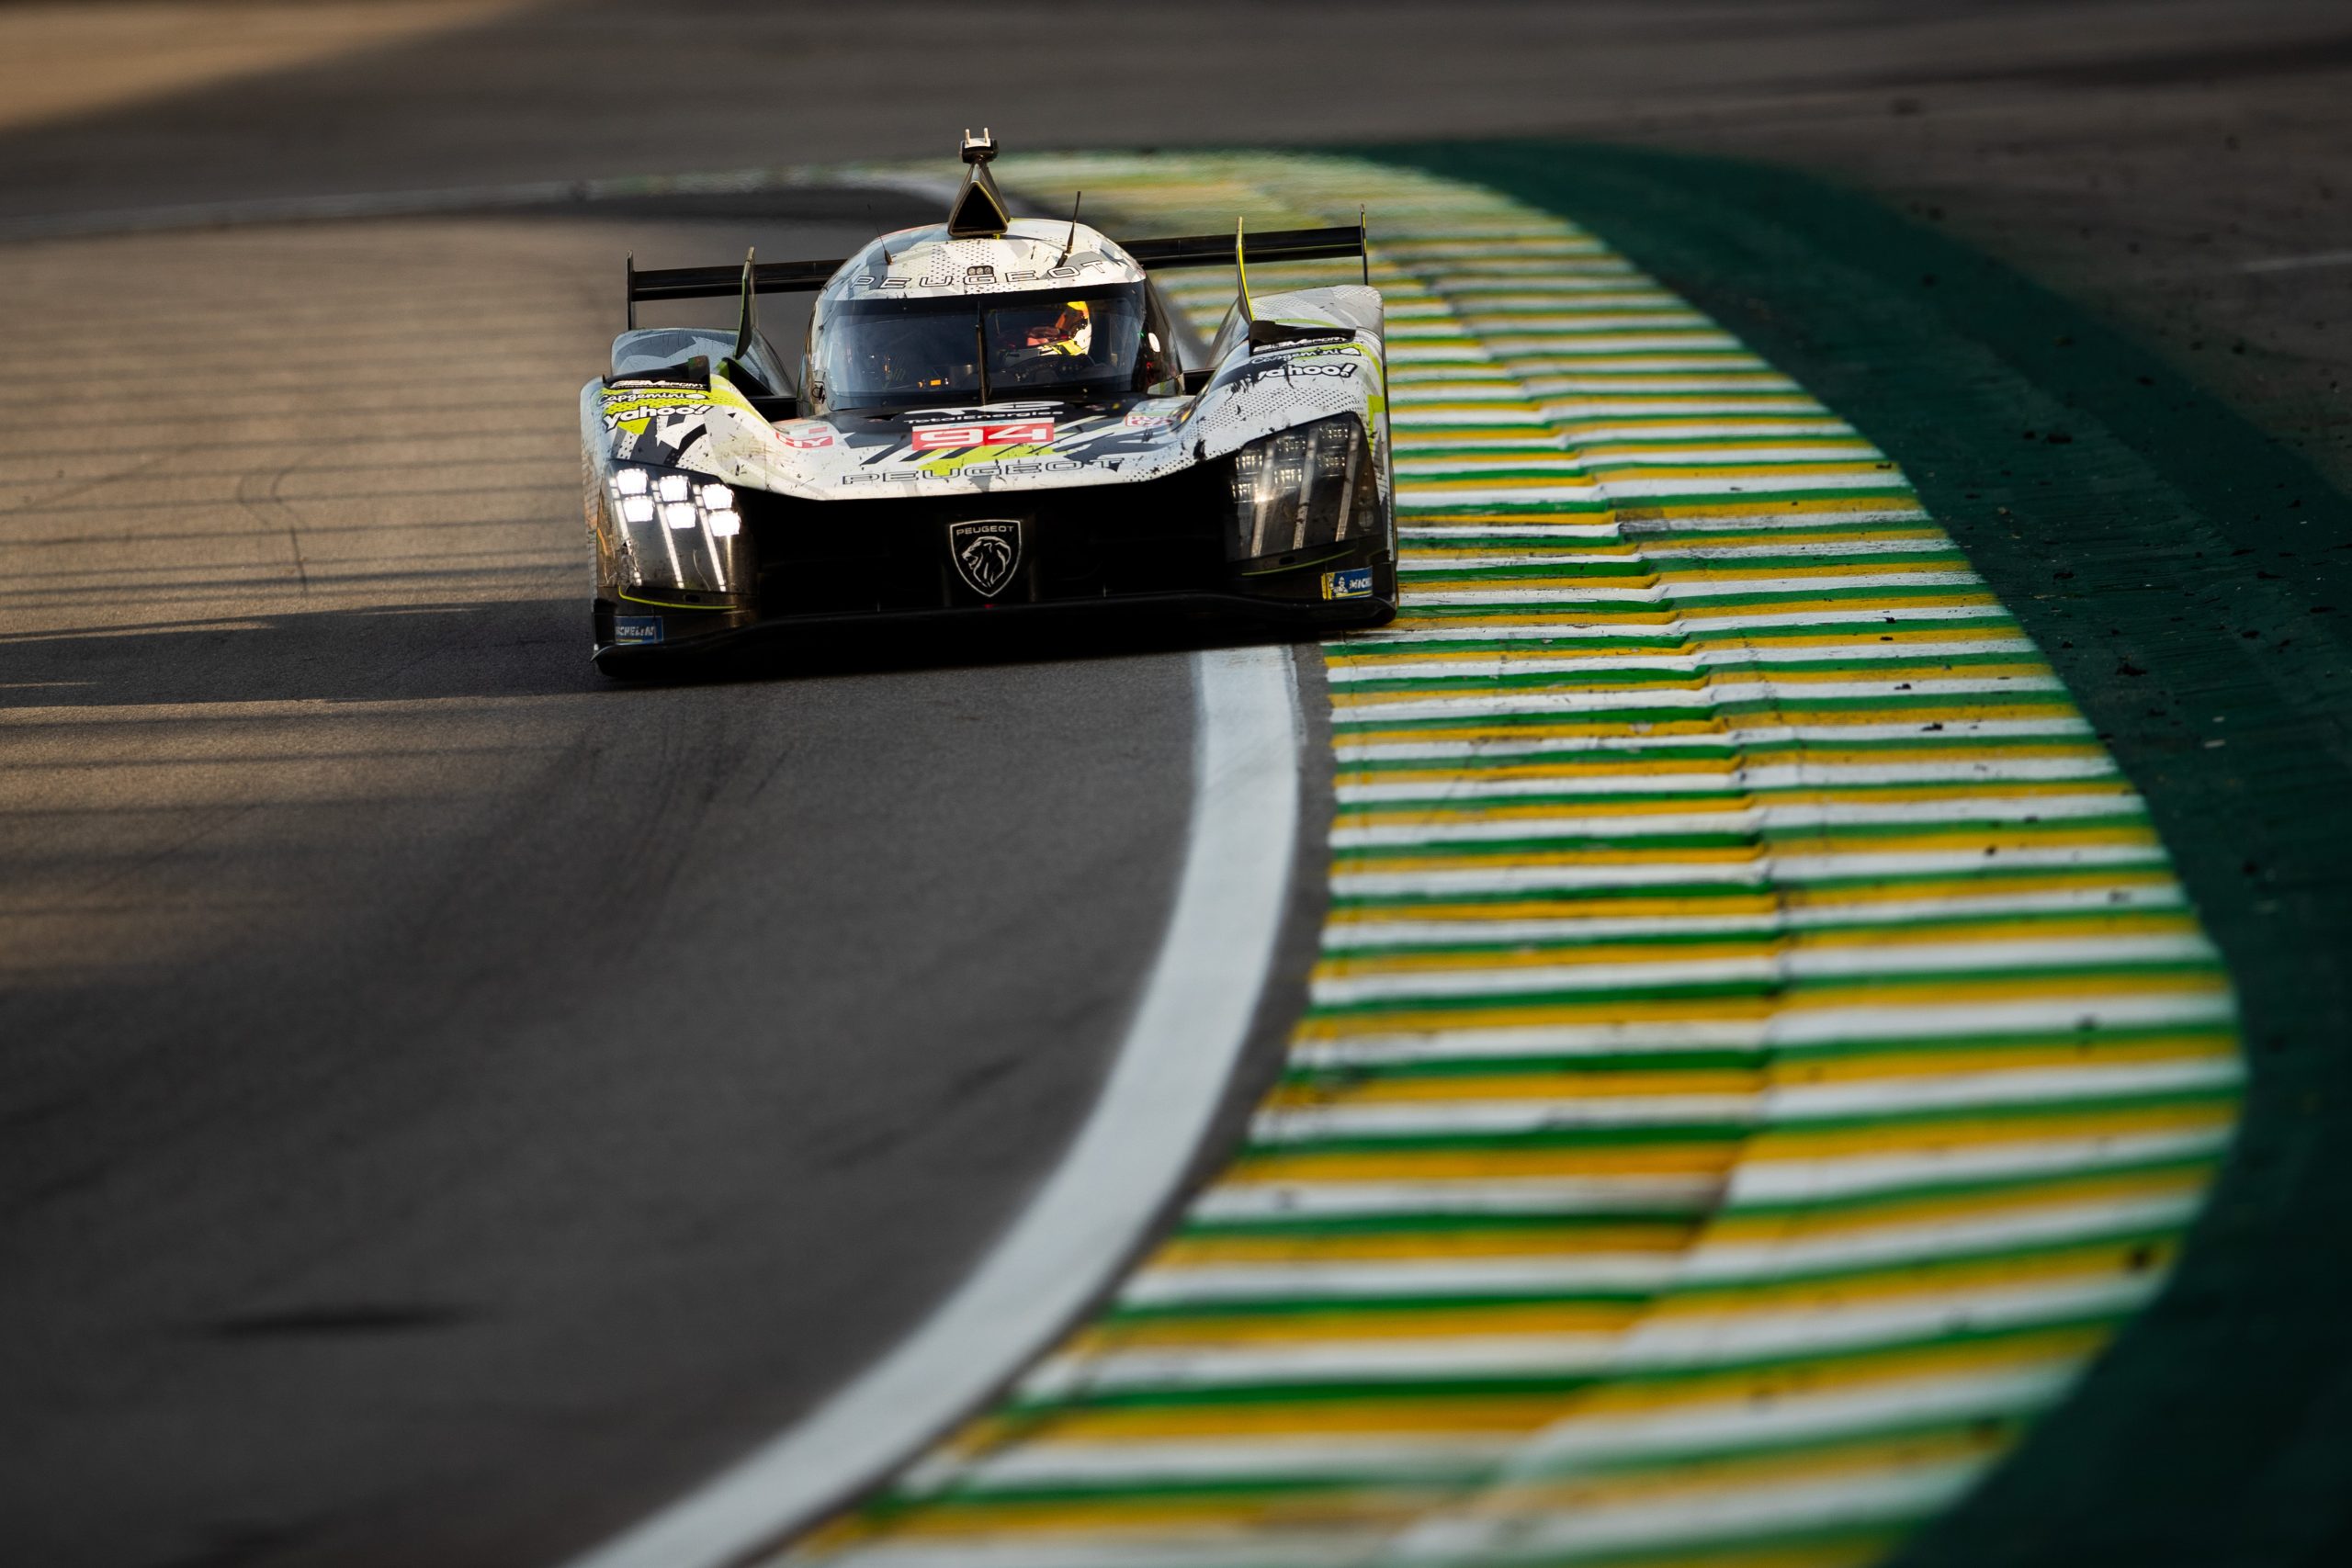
x=1758, y=1047
x=1987, y=880
x=1572, y=673
x=1365, y=946
x=1463, y=794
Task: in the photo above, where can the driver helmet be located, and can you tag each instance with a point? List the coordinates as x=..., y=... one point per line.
x=1070, y=331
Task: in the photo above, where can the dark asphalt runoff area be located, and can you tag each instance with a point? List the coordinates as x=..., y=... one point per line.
x=450, y=1104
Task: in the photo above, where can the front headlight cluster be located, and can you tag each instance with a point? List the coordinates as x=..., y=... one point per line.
x=673, y=529
x=676, y=500
x=1297, y=487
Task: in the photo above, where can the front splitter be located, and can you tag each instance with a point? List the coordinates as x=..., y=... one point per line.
x=1241, y=612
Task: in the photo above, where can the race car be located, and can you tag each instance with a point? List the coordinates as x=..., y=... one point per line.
x=991, y=415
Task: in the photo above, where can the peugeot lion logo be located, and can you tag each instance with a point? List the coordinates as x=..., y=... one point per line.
x=987, y=552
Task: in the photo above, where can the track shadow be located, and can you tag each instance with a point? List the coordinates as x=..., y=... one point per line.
x=528, y=648
x=785, y=653
x=520, y=648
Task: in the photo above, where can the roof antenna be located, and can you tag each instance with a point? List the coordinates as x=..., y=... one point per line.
x=886, y=239
x=1072, y=243
x=1363, y=246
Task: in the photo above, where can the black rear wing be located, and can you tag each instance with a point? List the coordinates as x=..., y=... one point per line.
x=1273, y=246
x=1190, y=249
x=724, y=282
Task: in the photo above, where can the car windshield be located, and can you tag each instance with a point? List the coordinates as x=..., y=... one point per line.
x=896, y=353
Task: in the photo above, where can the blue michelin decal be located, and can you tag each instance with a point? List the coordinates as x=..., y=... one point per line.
x=636, y=629
x=1353, y=584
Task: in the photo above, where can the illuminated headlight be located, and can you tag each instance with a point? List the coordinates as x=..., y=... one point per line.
x=677, y=529
x=678, y=501
x=1296, y=488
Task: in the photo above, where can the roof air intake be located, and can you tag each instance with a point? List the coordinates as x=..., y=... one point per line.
x=980, y=211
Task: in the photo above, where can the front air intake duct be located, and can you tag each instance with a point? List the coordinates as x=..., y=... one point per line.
x=980, y=211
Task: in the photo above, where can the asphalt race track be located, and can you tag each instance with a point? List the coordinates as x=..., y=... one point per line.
x=393, y=980
x=451, y=1104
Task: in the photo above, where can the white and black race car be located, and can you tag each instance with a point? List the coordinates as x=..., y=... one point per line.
x=991, y=414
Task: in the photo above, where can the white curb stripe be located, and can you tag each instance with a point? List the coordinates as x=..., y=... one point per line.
x=1165, y=1084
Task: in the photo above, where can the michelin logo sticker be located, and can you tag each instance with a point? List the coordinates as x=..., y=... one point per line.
x=636, y=629
x=1353, y=584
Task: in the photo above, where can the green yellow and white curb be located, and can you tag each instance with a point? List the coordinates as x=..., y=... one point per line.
x=1759, y=1053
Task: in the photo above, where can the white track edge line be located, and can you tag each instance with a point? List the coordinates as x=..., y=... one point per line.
x=1165, y=1084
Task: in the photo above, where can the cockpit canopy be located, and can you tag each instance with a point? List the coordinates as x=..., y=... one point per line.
x=882, y=355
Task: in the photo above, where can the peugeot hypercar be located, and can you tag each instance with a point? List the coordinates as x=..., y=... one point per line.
x=991, y=415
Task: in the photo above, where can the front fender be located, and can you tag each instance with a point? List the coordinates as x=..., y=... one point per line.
x=663, y=533
x=1342, y=368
